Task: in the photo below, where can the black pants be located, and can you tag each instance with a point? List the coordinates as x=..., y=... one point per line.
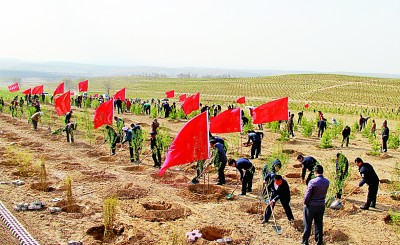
x=384, y=144
x=346, y=139
x=255, y=149
x=310, y=177
x=247, y=182
x=316, y=214
x=131, y=152
x=372, y=193
x=291, y=131
x=34, y=123
x=120, y=109
x=221, y=173
x=70, y=135
x=320, y=132
x=286, y=207
x=156, y=155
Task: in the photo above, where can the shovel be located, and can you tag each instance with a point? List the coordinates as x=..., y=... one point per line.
x=339, y=204
x=276, y=228
x=230, y=195
x=195, y=180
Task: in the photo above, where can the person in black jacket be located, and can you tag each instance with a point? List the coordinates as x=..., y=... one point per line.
x=370, y=178
x=68, y=117
x=279, y=190
x=219, y=160
x=256, y=138
x=156, y=153
x=346, y=135
x=269, y=176
x=342, y=171
x=118, y=103
x=385, y=136
x=308, y=163
x=321, y=127
x=247, y=177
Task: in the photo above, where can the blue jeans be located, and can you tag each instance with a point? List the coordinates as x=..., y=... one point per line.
x=316, y=214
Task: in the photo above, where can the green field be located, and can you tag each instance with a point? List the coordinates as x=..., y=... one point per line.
x=339, y=94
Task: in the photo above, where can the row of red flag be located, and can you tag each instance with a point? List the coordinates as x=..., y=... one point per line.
x=82, y=87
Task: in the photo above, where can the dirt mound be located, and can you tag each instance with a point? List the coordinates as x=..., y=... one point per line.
x=384, y=181
x=293, y=175
x=347, y=209
x=288, y=151
x=70, y=165
x=212, y=233
x=157, y=211
x=297, y=225
x=97, y=232
x=204, y=193
x=46, y=187
x=299, y=165
x=142, y=124
x=96, y=153
x=135, y=168
x=333, y=235
x=255, y=207
x=97, y=175
x=106, y=159
x=170, y=178
x=295, y=191
x=127, y=191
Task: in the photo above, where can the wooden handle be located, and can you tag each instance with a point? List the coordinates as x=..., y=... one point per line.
x=350, y=193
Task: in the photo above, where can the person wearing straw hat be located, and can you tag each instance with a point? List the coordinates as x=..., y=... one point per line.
x=35, y=119
x=314, y=206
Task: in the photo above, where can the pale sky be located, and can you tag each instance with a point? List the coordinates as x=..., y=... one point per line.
x=306, y=35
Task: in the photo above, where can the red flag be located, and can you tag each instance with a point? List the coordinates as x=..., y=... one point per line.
x=28, y=91
x=14, y=87
x=182, y=97
x=228, y=121
x=191, y=143
x=241, y=100
x=120, y=94
x=191, y=103
x=72, y=93
x=83, y=86
x=38, y=89
x=306, y=105
x=104, y=114
x=62, y=103
x=96, y=95
x=170, y=94
x=59, y=89
x=272, y=111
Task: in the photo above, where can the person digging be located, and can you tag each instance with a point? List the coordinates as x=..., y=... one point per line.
x=279, y=189
x=128, y=138
x=112, y=138
x=156, y=153
x=370, y=178
x=218, y=160
x=307, y=163
x=247, y=177
x=69, y=129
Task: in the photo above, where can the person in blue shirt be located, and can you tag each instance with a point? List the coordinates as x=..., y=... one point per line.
x=128, y=138
x=256, y=138
x=308, y=163
x=370, y=178
x=246, y=170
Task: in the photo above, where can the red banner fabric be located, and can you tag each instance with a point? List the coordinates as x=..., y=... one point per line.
x=228, y=121
x=182, y=97
x=191, y=143
x=83, y=86
x=272, y=111
x=170, y=94
x=59, y=89
x=28, y=91
x=191, y=103
x=63, y=103
x=38, y=89
x=306, y=105
x=241, y=100
x=14, y=87
x=104, y=114
x=120, y=94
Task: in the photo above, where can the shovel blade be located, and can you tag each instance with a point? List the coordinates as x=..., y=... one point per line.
x=195, y=181
x=336, y=205
x=277, y=229
x=229, y=196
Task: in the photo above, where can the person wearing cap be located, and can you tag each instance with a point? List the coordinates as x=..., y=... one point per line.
x=247, y=177
x=307, y=163
x=156, y=153
x=128, y=138
x=218, y=160
x=370, y=178
x=35, y=119
x=314, y=206
x=112, y=138
x=342, y=171
x=279, y=189
x=385, y=136
x=68, y=117
x=269, y=176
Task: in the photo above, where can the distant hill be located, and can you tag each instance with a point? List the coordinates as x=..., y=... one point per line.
x=50, y=71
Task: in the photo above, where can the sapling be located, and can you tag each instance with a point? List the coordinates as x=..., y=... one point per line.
x=70, y=200
x=326, y=140
x=109, y=215
x=43, y=174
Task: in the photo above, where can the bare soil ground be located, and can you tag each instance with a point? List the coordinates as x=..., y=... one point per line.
x=156, y=210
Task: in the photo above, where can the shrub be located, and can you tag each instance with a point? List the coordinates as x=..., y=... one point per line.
x=394, y=141
x=326, y=140
x=306, y=127
x=376, y=146
x=274, y=126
